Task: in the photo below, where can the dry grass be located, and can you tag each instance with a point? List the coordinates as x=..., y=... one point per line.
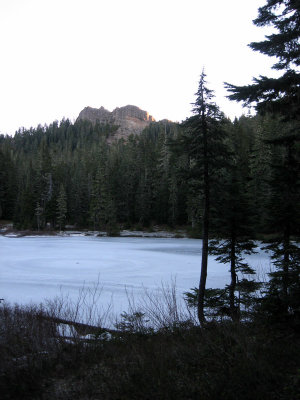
x=156, y=352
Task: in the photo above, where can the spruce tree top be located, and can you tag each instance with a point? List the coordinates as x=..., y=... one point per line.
x=281, y=95
x=204, y=104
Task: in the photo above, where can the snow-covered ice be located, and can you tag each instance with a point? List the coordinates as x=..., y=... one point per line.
x=36, y=268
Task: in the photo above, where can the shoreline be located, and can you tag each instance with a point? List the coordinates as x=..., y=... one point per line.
x=179, y=234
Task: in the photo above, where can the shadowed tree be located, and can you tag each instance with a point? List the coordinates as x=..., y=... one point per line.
x=204, y=141
x=276, y=95
x=281, y=97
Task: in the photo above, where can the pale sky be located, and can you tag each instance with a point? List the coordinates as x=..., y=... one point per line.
x=59, y=56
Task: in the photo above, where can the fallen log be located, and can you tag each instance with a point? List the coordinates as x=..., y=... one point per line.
x=81, y=328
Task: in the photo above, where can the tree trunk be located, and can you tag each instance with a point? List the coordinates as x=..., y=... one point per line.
x=286, y=262
x=203, y=274
x=234, y=312
x=287, y=233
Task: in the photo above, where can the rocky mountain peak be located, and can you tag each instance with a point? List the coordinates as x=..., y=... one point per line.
x=130, y=119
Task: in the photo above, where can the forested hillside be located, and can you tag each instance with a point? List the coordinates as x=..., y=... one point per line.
x=70, y=174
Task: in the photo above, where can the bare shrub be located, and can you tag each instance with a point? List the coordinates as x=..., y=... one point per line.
x=84, y=315
x=156, y=309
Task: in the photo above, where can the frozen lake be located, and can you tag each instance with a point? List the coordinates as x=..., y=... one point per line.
x=36, y=268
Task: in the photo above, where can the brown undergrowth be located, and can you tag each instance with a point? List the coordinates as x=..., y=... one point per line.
x=155, y=352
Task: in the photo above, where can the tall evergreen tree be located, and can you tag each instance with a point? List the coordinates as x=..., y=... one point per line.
x=233, y=234
x=205, y=127
x=276, y=95
x=284, y=218
x=281, y=96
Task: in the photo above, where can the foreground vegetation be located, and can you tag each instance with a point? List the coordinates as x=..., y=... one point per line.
x=178, y=360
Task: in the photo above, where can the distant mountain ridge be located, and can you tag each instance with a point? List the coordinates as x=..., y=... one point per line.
x=130, y=119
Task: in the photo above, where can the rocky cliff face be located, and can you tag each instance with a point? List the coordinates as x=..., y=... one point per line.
x=130, y=119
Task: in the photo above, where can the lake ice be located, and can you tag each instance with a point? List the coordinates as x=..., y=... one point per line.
x=36, y=268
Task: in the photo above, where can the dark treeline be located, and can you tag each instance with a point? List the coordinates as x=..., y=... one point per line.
x=75, y=174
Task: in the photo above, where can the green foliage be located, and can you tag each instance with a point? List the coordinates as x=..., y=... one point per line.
x=276, y=95
x=284, y=16
x=133, y=323
x=61, y=206
x=106, y=184
x=214, y=301
x=280, y=98
x=217, y=304
x=154, y=178
x=204, y=141
x=7, y=185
